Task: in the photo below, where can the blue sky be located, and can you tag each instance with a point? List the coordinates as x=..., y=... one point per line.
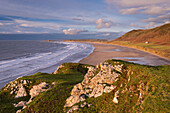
x=72, y=17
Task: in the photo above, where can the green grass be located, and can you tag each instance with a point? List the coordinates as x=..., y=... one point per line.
x=52, y=100
x=156, y=91
x=156, y=98
x=161, y=50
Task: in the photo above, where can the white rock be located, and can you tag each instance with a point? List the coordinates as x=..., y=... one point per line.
x=36, y=89
x=82, y=98
x=115, y=99
x=54, y=83
x=21, y=103
x=24, y=107
x=59, y=67
x=24, y=82
x=21, y=92
x=11, y=92
x=83, y=105
x=89, y=105
x=94, y=85
x=73, y=109
x=18, y=111
x=97, y=91
x=129, y=78
x=108, y=89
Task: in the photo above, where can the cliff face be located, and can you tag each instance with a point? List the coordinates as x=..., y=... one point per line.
x=112, y=86
x=159, y=35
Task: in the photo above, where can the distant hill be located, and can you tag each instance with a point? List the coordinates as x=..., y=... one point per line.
x=159, y=35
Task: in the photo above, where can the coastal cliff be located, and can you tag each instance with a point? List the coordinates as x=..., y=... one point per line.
x=112, y=86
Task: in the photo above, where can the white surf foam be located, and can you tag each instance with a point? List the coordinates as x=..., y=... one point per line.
x=25, y=66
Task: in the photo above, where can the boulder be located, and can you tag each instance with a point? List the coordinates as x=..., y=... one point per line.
x=89, y=105
x=73, y=109
x=21, y=92
x=24, y=82
x=118, y=67
x=36, y=89
x=18, y=111
x=108, y=89
x=115, y=99
x=53, y=83
x=83, y=105
x=72, y=100
x=97, y=91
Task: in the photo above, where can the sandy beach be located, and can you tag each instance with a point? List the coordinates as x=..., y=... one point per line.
x=104, y=52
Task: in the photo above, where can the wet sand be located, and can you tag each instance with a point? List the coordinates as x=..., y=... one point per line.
x=104, y=52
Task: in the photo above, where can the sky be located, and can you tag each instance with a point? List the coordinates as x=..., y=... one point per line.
x=72, y=17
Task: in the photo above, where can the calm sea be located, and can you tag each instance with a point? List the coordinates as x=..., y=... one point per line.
x=21, y=58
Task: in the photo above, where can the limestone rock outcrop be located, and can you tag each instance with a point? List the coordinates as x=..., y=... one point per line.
x=18, y=88
x=97, y=81
x=36, y=89
x=21, y=92
x=59, y=67
x=20, y=104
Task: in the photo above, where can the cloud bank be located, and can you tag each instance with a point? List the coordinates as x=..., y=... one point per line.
x=102, y=24
x=72, y=31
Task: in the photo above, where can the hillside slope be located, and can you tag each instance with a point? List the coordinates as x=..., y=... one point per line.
x=156, y=40
x=159, y=35
x=114, y=86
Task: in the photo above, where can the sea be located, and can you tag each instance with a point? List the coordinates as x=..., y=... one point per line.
x=26, y=57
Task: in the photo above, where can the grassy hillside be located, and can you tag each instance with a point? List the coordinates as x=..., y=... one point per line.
x=158, y=40
x=52, y=100
x=155, y=80
x=161, y=50
x=159, y=35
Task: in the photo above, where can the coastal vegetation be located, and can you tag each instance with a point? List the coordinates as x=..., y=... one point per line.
x=141, y=88
x=156, y=40
x=161, y=50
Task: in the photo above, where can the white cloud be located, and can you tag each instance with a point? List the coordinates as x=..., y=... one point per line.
x=1, y=24
x=131, y=10
x=73, y=31
x=134, y=3
x=4, y=32
x=151, y=7
x=159, y=19
x=156, y=10
x=106, y=34
x=150, y=10
x=102, y=24
x=48, y=25
x=18, y=31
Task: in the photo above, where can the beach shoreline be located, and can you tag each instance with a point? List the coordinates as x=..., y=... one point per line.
x=105, y=51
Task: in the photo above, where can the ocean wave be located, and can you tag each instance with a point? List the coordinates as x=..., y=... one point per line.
x=36, y=62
